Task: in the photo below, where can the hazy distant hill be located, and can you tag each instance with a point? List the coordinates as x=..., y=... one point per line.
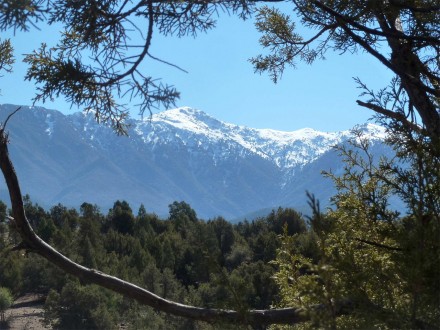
x=180, y=154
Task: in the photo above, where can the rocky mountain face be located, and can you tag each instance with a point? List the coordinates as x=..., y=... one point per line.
x=180, y=154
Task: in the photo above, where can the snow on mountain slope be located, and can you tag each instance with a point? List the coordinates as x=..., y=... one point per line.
x=288, y=150
x=196, y=130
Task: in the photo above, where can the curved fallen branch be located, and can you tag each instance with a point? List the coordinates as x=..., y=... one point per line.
x=33, y=243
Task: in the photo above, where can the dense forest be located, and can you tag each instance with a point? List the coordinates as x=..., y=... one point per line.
x=205, y=263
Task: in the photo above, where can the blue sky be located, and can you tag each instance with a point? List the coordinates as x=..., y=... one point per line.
x=221, y=81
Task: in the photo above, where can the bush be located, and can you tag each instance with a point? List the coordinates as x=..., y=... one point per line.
x=6, y=301
x=78, y=307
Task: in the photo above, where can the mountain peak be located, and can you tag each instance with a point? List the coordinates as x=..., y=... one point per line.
x=372, y=131
x=182, y=114
x=189, y=119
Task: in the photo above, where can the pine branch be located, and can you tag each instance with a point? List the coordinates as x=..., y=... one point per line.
x=391, y=114
x=383, y=246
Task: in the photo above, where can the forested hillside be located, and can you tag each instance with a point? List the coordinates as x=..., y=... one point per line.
x=211, y=264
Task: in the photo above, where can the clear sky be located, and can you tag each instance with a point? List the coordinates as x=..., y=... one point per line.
x=221, y=81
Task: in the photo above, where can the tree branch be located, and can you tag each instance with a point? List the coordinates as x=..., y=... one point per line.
x=343, y=21
x=383, y=246
x=391, y=114
x=428, y=9
x=390, y=34
x=9, y=117
x=141, y=56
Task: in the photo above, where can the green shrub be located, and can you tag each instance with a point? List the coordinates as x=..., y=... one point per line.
x=6, y=301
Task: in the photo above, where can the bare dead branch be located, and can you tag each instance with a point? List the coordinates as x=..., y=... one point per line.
x=9, y=117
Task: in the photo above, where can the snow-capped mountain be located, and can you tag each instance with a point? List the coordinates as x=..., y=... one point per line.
x=180, y=154
x=286, y=149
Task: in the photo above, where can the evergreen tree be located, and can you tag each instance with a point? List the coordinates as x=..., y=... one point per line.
x=3, y=212
x=88, y=254
x=78, y=307
x=386, y=264
x=122, y=218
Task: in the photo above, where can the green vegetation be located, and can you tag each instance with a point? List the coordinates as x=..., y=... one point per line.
x=385, y=264
x=6, y=301
x=204, y=263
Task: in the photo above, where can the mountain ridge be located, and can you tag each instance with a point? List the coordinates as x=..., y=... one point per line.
x=179, y=154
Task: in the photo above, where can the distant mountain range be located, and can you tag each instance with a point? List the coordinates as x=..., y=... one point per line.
x=220, y=169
